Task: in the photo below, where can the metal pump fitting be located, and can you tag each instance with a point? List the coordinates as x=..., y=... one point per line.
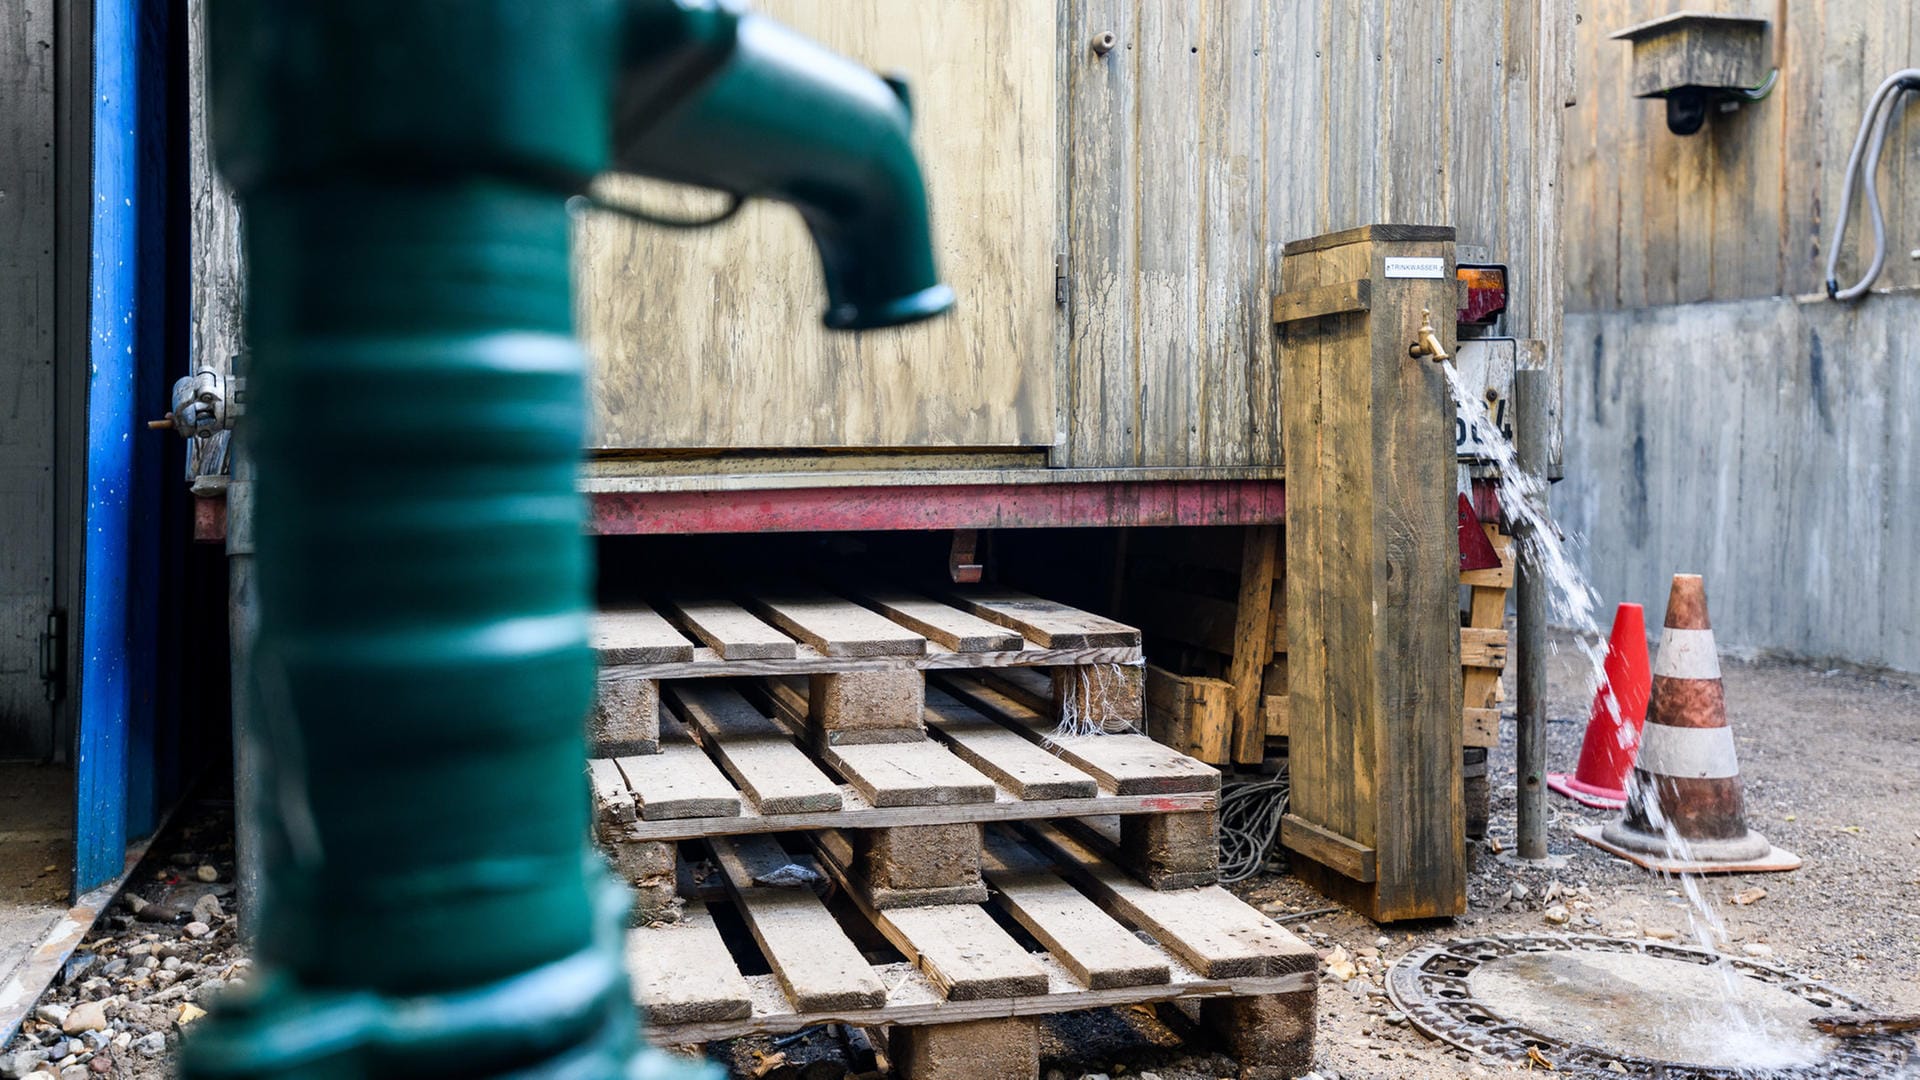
x=784, y=119
x=1427, y=341
x=421, y=674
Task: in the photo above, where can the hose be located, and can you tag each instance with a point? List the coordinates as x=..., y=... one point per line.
x=1250, y=816
x=1886, y=104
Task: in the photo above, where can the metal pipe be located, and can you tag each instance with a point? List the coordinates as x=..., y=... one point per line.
x=1885, y=105
x=1531, y=390
x=421, y=670
x=823, y=134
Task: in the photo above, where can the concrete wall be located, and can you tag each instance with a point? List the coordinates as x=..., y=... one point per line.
x=1772, y=445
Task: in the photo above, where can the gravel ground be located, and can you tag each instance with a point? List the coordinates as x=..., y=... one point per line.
x=149, y=968
x=1829, y=758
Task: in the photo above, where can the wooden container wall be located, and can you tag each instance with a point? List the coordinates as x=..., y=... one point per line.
x=1217, y=131
x=1214, y=132
x=1744, y=208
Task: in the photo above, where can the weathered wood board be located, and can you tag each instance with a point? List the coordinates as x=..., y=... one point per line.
x=1744, y=208
x=713, y=338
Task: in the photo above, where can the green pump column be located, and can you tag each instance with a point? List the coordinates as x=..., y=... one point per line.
x=416, y=407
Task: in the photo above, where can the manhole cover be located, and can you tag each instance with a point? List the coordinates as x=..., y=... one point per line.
x=1658, y=1010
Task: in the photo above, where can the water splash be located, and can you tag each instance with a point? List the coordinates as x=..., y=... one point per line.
x=1755, y=1039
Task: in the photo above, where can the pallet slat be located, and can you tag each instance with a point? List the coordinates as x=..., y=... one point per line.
x=839, y=627
x=1100, y=952
x=1208, y=927
x=947, y=625
x=757, y=754
x=731, y=631
x=636, y=634
x=1049, y=624
x=1125, y=764
x=817, y=965
x=1005, y=756
x=707, y=663
x=679, y=781
x=682, y=973
x=909, y=774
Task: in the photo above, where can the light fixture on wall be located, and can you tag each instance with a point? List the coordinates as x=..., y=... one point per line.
x=1700, y=63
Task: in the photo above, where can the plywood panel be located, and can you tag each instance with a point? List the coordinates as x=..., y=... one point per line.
x=712, y=339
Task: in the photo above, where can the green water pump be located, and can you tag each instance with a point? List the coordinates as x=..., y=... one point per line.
x=429, y=906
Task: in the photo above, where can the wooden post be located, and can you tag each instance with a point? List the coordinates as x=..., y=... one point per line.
x=1373, y=572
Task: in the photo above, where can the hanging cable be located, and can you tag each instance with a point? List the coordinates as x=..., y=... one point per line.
x=580, y=204
x=1882, y=109
x=1249, y=815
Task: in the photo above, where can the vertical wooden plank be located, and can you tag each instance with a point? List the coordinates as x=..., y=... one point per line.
x=1167, y=301
x=1356, y=51
x=1101, y=223
x=1413, y=114
x=1478, y=128
x=1798, y=112
x=1253, y=641
x=1234, y=337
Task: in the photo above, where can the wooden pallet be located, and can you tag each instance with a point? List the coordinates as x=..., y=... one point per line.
x=977, y=768
x=1079, y=946
x=814, y=632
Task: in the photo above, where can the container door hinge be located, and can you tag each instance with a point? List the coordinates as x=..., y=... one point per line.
x=53, y=655
x=1060, y=280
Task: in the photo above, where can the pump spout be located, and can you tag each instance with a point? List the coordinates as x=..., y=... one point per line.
x=784, y=118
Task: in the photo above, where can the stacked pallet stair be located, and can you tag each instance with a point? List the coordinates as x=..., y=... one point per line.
x=855, y=807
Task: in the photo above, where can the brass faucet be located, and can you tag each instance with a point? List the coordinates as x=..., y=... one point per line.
x=1427, y=343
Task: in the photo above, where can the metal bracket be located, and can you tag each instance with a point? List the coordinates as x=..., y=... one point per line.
x=963, y=562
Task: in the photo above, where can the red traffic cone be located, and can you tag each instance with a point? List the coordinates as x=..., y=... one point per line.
x=1619, y=711
x=1686, y=811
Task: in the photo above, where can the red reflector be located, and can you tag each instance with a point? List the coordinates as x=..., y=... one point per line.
x=1483, y=293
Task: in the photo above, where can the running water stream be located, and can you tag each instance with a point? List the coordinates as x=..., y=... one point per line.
x=1753, y=1039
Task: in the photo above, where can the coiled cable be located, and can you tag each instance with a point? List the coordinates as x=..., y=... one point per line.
x=1882, y=109
x=1250, y=814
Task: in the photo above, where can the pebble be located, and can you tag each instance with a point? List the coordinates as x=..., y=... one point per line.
x=1757, y=948
x=21, y=1062
x=86, y=1016
x=207, y=909
x=204, y=994
x=152, y=1044
x=1558, y=916
x=198, y=929
x=207, y=874
x=1517, y=891
x=101, y=1065
x=1396, y=1017
x=74, y=1072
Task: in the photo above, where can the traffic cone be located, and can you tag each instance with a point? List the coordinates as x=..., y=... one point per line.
x=1685, y=811
x=1619, y=711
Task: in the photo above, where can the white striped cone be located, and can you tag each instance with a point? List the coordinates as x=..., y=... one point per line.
x=1684, y=800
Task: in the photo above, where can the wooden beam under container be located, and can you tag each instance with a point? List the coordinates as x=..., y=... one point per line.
x=908, y=506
